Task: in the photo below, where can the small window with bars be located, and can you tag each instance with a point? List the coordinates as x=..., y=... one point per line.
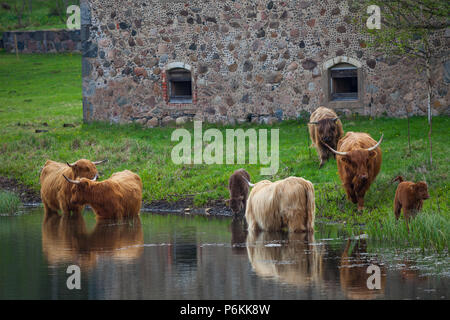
x=344, y=82
x=179, y=85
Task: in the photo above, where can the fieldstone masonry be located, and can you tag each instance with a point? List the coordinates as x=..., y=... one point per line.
x=260, y=61
x=43, y=41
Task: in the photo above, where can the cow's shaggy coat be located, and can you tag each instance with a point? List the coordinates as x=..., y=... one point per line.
x=239, y=188
x=325, y=127
x=359, y=162
x=118, y=197
x=287, y=203
x=55, y=191
x=409, y=197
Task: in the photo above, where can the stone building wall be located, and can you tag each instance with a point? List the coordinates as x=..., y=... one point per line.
x=250, y=60
x=43, y=41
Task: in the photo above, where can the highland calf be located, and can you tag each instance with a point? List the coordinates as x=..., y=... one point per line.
x=55, y=192
x=358, y=162
x=287, y=203
x=238, y=186
x=118, y=197
x=325, y=127
x=409, y=197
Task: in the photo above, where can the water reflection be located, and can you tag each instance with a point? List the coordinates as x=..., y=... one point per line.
x=65, y=240
x=353, y=271
x=238, y=231
x=290, y=258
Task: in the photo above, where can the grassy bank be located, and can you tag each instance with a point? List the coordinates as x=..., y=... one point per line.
x=46, y=89
x=35, y=15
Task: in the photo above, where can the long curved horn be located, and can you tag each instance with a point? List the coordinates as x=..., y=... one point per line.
x=95, y=177
x=70, y=165
x=248, y=182
x=99, y=162
x=71, y=181
x=315, y=122
x=334, y=151
x=376, y=146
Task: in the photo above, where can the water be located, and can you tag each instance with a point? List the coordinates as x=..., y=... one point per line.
x=185, y=257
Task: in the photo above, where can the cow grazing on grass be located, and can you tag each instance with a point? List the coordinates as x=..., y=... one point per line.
x=118, y=197
x=409, y=197
x=238, y=187
x=55, y=192
x=287, y=203
x=325, y=127
x=358, y=162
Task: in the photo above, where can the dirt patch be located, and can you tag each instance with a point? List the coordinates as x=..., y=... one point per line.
x=26, y=194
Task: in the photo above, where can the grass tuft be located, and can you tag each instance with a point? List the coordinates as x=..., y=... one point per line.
x=9, y=202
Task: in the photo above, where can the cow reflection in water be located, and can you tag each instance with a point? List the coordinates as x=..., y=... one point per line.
x=290, y=258
x=65, y=239
x=353, y=272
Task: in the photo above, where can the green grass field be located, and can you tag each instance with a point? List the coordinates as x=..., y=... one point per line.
x=42, y=15
x=39, y=89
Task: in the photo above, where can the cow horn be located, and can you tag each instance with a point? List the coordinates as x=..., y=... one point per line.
x=249, y=184
x=95, y=177
x=315, y=122
x=376, y=146
x=100, y=162
x=334, y=151
x=335, y=119
x=70, y=165
x=71, y=181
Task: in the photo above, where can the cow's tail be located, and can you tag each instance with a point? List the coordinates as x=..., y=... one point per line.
x=310, y=205
x=248, y=182
x=398, y=178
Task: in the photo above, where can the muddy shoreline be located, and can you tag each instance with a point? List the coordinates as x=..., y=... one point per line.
x=185, y=206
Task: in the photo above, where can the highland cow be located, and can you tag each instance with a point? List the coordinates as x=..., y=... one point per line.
x=409, y=197
x=325, y=127
x=118, y=197
x=55, y=192
x=359, y=162
x=288, y=203
x=238, y=186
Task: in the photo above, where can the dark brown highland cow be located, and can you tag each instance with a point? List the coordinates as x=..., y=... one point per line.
x=239, y=187
x=325, y=127
x=409, y=196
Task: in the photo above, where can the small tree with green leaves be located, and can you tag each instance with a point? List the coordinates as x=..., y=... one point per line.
x=413, y=28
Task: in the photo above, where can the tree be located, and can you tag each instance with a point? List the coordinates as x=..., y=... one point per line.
x=413, y=28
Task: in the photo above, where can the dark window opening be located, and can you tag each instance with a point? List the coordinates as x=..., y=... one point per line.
x=344, y=83
x=180, y=86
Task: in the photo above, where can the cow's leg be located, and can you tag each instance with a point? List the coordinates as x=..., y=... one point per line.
x=295, y=220
x=397, y=209
x=323, y=156
x=48, y=211
x=350, y=192
x=360, y=203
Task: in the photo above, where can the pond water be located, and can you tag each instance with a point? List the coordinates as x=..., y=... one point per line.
x=193, y=257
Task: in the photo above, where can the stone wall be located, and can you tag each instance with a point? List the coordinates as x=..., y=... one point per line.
x=43, y=41
x=250, y=60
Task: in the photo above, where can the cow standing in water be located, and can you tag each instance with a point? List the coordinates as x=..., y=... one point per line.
x=238, y=186
x=55, y=192
x=288, y=203
x=118, y=197
x=325, y=127
x=359, y=162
